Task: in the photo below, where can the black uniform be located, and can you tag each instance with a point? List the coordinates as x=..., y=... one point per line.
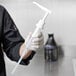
x=10, y=41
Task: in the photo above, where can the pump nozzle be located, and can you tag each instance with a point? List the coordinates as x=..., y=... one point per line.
x=43, y=8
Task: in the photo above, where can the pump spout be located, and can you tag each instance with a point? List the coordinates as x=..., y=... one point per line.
x=43, y=8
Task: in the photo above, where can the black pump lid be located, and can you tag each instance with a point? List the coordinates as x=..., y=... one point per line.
x=50, y=35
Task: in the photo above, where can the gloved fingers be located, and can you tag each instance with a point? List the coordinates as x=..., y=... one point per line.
x=34, y=47
x=38, y=43
x=38, y=40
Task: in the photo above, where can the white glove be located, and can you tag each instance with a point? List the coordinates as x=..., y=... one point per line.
x=37, y=41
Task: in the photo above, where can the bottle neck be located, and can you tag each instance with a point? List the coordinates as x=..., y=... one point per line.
x=50, y=35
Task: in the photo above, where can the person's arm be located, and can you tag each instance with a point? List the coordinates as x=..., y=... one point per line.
x=12, y=40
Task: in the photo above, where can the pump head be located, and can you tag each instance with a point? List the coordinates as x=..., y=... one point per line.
x=43, y=8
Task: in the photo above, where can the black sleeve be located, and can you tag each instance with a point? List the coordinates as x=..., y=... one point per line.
x=12, y=40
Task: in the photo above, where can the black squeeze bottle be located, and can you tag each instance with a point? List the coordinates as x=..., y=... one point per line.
x=51, y=49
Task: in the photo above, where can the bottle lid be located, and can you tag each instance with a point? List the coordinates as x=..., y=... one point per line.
x=50, y=35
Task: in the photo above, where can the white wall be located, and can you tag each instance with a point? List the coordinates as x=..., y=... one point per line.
x=61, y=22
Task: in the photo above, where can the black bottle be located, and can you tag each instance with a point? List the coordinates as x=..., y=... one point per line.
x=51, y=49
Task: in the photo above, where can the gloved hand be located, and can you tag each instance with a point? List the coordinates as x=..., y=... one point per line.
x=37, y=41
